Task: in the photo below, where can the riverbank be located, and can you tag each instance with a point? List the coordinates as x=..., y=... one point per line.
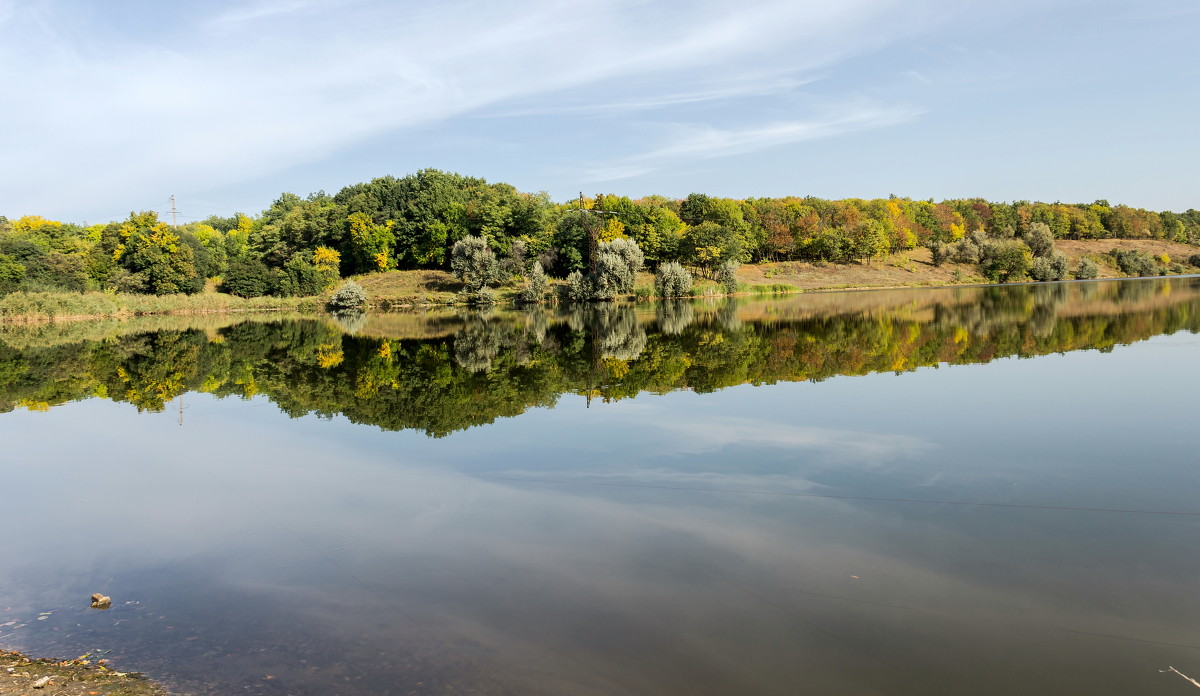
x=423, y=289
x=908, y=269
x=21, y=675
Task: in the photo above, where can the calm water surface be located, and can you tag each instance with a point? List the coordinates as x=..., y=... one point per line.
x=969, y=491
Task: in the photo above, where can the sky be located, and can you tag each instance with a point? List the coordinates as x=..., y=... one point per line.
x=114, y=106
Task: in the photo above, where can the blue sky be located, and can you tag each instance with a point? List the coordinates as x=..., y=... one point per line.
x=113, y=106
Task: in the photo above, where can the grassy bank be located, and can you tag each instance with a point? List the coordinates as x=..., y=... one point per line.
x=911, y=268
x=32, y=307
x=396, y=290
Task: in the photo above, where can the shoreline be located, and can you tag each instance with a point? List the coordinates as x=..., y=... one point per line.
x=427, y=289
x=21, y=674
x=399, y=308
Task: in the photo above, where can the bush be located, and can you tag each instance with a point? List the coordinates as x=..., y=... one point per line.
x=1006, y=261
x=248, y=279
x=1194, y=260
x=1087, y=269
x=535, y=285
x=350, y=297
x=727, y=276
x=939, y=252
x=473, y=262
x=12, y=274
x=969, y=248
x=578, y=287
x=1133, y=262
x=483, y=297
x=630, y=254
x=1053, y=267
x=617, y=264
x=612, y=276
x=302, y=278
x=672, y=280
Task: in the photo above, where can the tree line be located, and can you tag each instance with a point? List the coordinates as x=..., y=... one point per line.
x=304, y=245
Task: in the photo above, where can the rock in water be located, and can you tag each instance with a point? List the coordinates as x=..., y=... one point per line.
x=100, y=601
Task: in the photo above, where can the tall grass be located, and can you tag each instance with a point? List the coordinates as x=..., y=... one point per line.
x=50, y=306
x=772, y=289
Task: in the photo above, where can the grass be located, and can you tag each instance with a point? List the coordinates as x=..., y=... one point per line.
x=32, y=307
x=397, y=289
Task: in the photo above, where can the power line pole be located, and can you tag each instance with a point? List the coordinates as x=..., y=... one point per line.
x=174, y=221
x=593, y=237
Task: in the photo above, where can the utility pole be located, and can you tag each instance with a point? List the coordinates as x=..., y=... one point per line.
x=174, y=221
x=593, y=237
x=593, y=232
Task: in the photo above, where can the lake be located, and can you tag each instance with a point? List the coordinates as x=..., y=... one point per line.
x=974, y=490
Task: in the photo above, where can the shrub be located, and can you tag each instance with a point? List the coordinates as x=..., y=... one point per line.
x=1053, y=267
x=939, y=252
x=350, y=297
x=578, y=288
x=617, y=264
x=1006, y=261
x=301, y=277
x=248, y=279
x=612, y=276
x=473, y=262
x=482, y=297
x=968, y=249
x=1087, y=269
x=727, y=276
x=1194, y=260
x=12, y=274
x=672, y=280
x=630, y=254
x=1133, y=262
x=535, y=285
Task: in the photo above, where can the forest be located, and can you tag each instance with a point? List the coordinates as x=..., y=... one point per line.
x=302, y=246
x=482, y=367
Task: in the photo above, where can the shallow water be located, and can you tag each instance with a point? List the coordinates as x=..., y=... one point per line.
x=847, y=493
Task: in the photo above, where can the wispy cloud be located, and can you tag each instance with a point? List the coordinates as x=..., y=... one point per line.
x=918, y=76
x=746, y=86
x=699, y=142
x=248, y=91
x=264, y=9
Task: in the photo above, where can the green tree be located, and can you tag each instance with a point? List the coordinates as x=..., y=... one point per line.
x=293, y=224
x=1005, y=261
x=12, y=273
x=710, y=244
x=1040, y=239
x=369, y=246
x=249, y=278
x=154, y=252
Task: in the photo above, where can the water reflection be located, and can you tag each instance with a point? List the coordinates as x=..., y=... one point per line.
x=1029, y=526
x=469, y=369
